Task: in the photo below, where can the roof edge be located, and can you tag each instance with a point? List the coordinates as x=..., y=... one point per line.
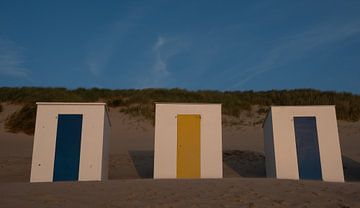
x=170, y=103
x=69, y=103
x=299, y=106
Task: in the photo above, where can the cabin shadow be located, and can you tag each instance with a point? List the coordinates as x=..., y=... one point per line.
x=351, y=169
x=143, y=162
x=245, y=163
x=249, y=164
x=242, y=163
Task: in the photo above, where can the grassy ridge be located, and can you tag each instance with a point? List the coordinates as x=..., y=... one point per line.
x=22, y=120
x=141, y=102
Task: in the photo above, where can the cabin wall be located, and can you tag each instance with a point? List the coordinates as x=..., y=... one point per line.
x=165, y=162
x=92, y=139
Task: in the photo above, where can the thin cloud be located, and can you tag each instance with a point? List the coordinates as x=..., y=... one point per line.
x=160, y=66
x=292, y=49
x=12, y=59
x=160, y=42
x=102, y=48
x=163, y=50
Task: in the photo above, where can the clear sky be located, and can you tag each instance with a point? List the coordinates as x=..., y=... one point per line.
x=220, y=45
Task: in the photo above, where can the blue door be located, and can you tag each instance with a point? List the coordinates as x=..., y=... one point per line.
x=307, y=147
x=67, y=150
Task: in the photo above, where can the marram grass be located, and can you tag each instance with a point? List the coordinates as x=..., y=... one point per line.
x=141, y=102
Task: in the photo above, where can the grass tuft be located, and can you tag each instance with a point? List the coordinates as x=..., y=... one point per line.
x=141, y=102
x=22, y=120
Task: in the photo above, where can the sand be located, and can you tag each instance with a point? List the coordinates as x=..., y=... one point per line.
x=131, y=167
x=235, y=192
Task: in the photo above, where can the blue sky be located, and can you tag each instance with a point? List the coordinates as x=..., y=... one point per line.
x=220, y=45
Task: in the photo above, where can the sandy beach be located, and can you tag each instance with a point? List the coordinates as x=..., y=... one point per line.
x=130, y=181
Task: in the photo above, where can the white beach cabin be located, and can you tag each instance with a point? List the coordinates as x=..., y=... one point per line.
x=71, y=142
x=302, y=142
x=188, y=141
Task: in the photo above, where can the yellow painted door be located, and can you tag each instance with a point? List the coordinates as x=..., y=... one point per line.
x=188, y=146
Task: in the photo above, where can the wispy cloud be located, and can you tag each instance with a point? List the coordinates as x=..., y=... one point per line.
x=12, y=59
x=160, y=42
x=291, y=49
x=160, y=65
x=163, y=50
x=102, y=47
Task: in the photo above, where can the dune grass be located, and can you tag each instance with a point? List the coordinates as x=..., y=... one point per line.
x=141, y=102
x=22, y=120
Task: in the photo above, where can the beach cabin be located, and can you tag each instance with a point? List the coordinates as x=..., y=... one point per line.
x=71, y=142
x=302, y=142
x=188, y=141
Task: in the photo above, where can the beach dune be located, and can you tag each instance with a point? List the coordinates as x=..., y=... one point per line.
x=130, y=181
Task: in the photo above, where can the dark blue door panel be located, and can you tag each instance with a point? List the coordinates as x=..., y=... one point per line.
x=307, y=147
x=67, y=150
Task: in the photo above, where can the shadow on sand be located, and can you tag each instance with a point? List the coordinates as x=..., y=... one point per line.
x=351, y=169
x=245, y=163
x=143, y=162
x=252, y=164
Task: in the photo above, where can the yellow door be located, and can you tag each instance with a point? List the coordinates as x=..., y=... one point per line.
x=188, y=146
